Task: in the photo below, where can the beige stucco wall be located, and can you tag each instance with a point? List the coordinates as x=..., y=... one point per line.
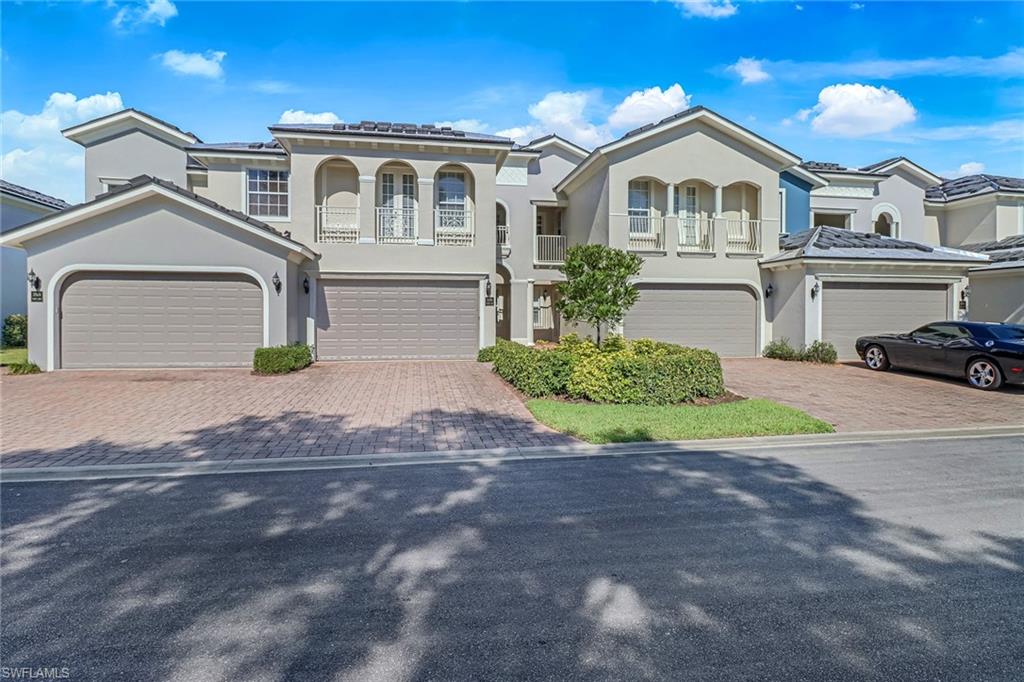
x=997, y=295
x=128, y=155
x=785, y=309
x=970, y=222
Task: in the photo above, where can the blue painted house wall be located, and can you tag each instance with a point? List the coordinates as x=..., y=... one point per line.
x=798, y=202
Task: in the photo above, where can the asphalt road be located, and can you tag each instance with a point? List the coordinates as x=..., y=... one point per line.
x=894, y=561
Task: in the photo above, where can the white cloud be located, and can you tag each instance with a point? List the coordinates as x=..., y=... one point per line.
x=274, y=87
x=564, y=113
x=300, y=116
x=470, y=125
x=969, y=168
x=36, y=155
x=707, y=9
x=798, y=8
x=206, y=65
x=1008, y=65
x=1010, y=130
x=856, y=6
x=750, y=70
x=645, y=106
x=147, y=12
x=858, y=110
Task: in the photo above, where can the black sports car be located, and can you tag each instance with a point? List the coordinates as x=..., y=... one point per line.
x=984, y=353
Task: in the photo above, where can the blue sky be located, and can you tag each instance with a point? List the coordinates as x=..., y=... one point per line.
x=940, y=82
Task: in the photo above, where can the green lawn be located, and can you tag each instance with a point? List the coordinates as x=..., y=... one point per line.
x=11, y=355
x=598, y=423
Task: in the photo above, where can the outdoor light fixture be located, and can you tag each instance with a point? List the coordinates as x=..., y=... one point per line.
x=814, y=290
x=33, y=280
x=487, y=289
x=305, y=284
x=769, y=290
x=277, y=283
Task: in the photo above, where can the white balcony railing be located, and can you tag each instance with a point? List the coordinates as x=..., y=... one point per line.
x=646, y=233
x=550, y=249
x=502, y=235
x=696, y=235
x=396, y=225
x=337, y=225
x=742, y=236
x=453, y=227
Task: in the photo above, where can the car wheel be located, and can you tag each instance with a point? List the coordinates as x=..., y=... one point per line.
x=876, y=359
x=984, y=374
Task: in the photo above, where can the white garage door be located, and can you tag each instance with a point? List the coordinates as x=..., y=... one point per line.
x=159, y=320
x=722, y=318
x=413, y=319
x=853, y=309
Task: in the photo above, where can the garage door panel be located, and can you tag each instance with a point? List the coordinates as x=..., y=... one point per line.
x=378, y=319
x=854, y=309
x=160, y=320
x=721, y=318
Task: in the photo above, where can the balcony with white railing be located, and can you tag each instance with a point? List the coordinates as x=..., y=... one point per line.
x=696, y=235
x=337, y=225
x=502, y=236
x=396, y=225
x=550, y=249
x=453, y=227
x=742, y=236
x=646, y=233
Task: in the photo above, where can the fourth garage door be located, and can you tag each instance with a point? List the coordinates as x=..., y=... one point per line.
x=720, y=317
x=394, y=319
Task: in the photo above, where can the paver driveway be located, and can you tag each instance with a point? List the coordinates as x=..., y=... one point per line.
x=854, y=398
x=119, y=417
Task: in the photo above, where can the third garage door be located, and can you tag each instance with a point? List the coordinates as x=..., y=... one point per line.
x=722, y=318
x=381, y=319
x=852, y=309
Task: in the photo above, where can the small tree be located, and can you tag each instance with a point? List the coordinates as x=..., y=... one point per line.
x=597, y=289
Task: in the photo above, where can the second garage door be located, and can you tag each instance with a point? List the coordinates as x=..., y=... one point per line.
x=413, y=319
x=722, y=318
x=159, y=320
x=853, y=309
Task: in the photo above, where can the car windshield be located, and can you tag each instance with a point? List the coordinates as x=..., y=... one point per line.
x=1007, y=332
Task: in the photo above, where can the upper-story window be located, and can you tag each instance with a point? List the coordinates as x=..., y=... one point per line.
x=267, y=193
x=639, y=197
x=451, y=191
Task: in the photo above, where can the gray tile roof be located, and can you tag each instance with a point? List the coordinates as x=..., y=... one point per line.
x=882, y=164
x=971, y=185
x=32, y=195
x=273, y=147
x=1010, y=249
x=387, y=129
x=834, y=242
x=830, y=167
x=141, y=113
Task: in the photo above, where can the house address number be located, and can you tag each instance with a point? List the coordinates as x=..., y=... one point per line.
x=37, y=297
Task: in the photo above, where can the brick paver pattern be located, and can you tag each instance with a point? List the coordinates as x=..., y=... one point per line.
x=127, y=416
x=854, y=398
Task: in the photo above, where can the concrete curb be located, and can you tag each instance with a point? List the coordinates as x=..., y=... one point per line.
x=581, y=450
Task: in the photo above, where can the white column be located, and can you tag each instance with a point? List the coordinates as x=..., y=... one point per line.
x=367, y=209
x=718, y=234
x=311, y=313
x=718, y=200
x=425, y=212
x=670, y=195
x=529, y=311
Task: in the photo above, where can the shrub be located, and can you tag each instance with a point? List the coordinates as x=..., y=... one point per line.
x=15, y=330
x=781, y=350
x=659, y=374
x=282, y=359
x=821, y=352
x=487, y=354
x=23, y=368
x=533, y=371
x=613, y=344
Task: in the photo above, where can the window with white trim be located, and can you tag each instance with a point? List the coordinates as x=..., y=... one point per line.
x=267, y=193
x=451, y=191
x=639, y=203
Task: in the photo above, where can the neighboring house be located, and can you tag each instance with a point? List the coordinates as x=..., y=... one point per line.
x=19, y=205
x=380, y=240
x=886, y=198
x=834, y=284
x=997, y=290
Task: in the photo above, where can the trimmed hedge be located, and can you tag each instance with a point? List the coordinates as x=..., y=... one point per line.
x=15, y=332
x=821, y=352
x=23, y=368
x=282, y=359
x=487, y=354
x=641, y=372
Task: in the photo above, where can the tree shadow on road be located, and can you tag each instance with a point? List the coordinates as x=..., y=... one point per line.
x=714, y=565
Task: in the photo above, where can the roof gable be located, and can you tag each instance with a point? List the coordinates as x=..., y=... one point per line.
x=32, y=196
x=888, y=165
x=128, y=119
x=825, y=242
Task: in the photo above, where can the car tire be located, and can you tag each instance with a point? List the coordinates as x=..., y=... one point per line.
x=984, y=374
x=876, y=358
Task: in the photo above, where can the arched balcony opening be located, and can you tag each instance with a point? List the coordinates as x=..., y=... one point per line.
x=337, y=202
x=694, y=208
x=741, y=212
x=397, y=199
x=453, y=206
x=646, y=208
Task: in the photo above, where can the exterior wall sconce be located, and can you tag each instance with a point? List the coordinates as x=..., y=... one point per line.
x=814, y=290
x=769, y=290
x=277, y=283
x=305, y=284
x=487, y=288
x=34, y=281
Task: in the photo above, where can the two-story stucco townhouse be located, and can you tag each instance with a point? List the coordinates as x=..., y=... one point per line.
x=19, y=205
x=379, y=240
